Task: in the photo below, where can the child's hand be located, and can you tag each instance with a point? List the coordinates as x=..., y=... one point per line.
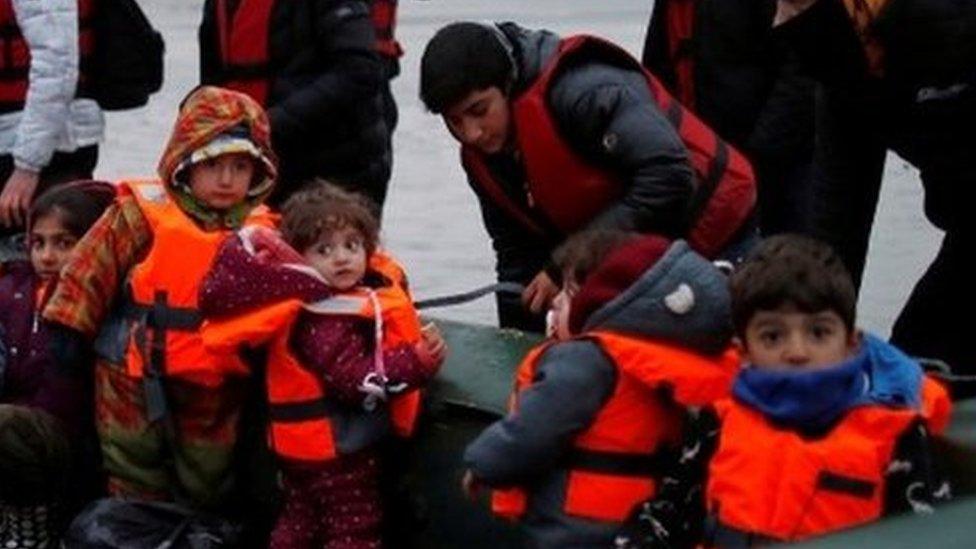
x=470, y=485
x=431, y=349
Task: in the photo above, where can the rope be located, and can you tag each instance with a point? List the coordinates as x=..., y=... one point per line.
x=457, y=299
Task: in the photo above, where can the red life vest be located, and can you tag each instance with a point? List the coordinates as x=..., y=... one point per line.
x=569, y=192
x=680, y=24
x=163, y=288
x=300, y=411
x=244, y=46
x=770, y=483
x=383, y=14
x=15, y=58
x=613, y=462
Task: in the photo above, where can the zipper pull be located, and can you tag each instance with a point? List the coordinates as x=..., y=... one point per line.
x=528, y=195
x=36, y=324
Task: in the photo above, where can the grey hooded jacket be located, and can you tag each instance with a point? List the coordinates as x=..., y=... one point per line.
x=608, y=116
x=575, y=378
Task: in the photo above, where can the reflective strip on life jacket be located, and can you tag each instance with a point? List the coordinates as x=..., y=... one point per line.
x=615, y=461
x=162, y=292
x=769, y=482
x=15, y=55
x=568, y=191
x=244, y=47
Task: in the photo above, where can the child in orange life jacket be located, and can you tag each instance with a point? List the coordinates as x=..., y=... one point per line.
x=343, y=338
x=642, y=331
x=827, y=428
x=166, y=408
x=47, y=465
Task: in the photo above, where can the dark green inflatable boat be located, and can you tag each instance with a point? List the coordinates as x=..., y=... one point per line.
x=471, y=392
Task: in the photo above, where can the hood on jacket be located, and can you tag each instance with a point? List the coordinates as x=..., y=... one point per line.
x=211, y=116
x=680, y=299
x=530, y=49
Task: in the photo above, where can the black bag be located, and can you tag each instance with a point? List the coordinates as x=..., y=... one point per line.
x=128, y=524
x=127, y=66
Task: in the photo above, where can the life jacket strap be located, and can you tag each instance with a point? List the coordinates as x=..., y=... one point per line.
x=303, y=410
x=161, y=316
x=617, y=463
x=834, y=482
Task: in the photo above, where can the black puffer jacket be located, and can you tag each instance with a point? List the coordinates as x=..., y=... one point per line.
x=325, y=101
x=607, y=115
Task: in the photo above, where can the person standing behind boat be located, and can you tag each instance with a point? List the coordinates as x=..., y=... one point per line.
x=315, y=66
x=167, y=410
x=897, y=75
x=346, y=356
x=49, y=129
x=721, y=60
x=558, y=135
x=641, y=331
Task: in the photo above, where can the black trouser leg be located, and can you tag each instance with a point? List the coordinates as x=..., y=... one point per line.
x=935, y=323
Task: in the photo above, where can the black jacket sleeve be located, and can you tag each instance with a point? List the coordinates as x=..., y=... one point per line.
x=350, y=70
x=783, y=132
x=848, y=164
x=608, y=116
x=209, y=45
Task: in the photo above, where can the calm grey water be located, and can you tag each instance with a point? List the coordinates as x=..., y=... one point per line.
x=431, y=219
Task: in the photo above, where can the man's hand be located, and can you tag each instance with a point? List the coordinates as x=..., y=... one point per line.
x=470, y=485
x=537, y=296
x=16, y=197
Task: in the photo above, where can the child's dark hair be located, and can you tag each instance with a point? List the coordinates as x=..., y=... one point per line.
x=462, y=58
x=583, y=252
x=78, y=205
x=795, y=270
x=322, y=207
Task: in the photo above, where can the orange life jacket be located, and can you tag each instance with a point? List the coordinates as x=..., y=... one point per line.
x=300, y=425
x=769, y=483
x=15, y=58
x=245, y=52
x=614, y=461
x=569, y=192
x=161, y=292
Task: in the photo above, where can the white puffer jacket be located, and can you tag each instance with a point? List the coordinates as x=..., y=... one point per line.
x=52, y=119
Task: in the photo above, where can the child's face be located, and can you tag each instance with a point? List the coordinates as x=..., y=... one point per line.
x=561, y=306
x=50, y=245
x=340, y=257
x=481, y=120
x=787, y=338
x=223, y=181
